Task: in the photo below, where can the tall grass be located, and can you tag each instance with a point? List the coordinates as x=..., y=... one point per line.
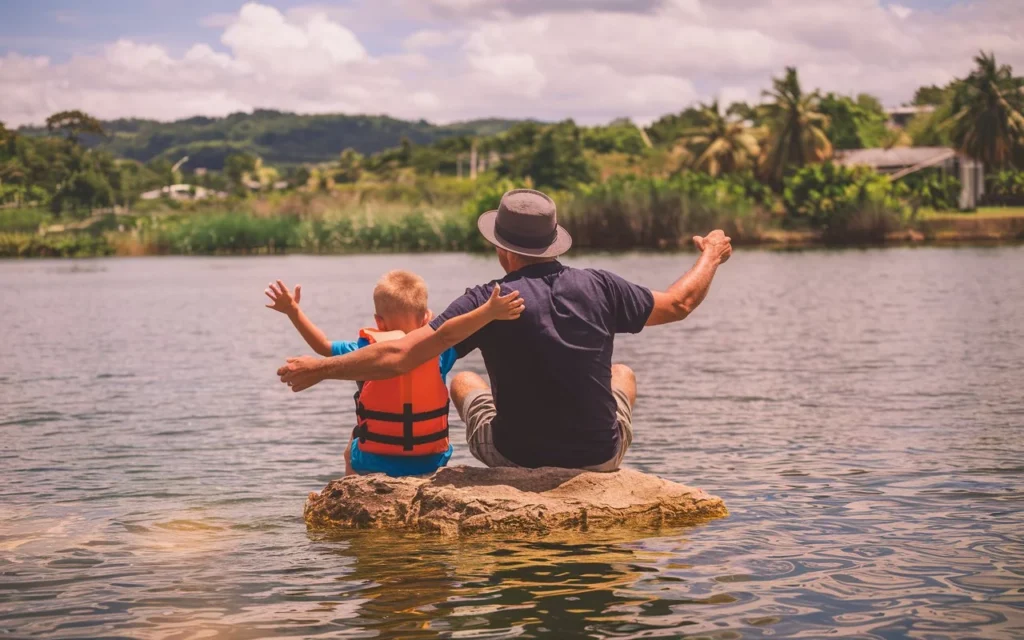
x=223, y=233
x=377, y=230
x=63, y=245
x=348, y=230
x=22, y=220
x=654, y=213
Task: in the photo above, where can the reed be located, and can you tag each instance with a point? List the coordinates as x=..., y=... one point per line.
x=655, y=213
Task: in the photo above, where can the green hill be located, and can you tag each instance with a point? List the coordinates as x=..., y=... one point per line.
x=278, y=137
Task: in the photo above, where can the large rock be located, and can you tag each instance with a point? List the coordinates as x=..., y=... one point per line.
x=465, y=499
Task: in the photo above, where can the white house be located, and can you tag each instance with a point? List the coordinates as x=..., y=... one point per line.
x=183, y=192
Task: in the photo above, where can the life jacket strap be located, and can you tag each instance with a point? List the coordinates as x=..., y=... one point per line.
x=407, y=418
x=407, y=444
x=386, y=416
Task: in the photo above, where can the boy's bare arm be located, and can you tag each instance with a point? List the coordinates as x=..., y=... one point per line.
x=395, y=357
x=281, y=300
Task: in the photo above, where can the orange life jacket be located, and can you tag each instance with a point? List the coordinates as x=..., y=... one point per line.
x=403, y=416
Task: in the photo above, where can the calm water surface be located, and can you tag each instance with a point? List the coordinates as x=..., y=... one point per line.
x=861, y=412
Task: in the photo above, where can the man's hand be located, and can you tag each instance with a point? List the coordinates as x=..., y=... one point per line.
x=281, y=298
x=716, y=244
x=686, y=293
x=301, y=373
x=499, y=307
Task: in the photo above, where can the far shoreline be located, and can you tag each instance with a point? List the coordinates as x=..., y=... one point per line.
x=797, y=243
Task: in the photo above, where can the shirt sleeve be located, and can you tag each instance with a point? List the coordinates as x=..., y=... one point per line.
x=341, y=347
x=632, y=304
x=463, y=304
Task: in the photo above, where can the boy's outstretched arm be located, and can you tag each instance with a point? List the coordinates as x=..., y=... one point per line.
x=395, y=357
x=281, y=300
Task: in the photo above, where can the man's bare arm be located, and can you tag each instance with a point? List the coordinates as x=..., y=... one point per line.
x=395, y=357
x=688, y=292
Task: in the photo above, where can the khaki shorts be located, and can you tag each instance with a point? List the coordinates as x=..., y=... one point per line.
x=478, y=411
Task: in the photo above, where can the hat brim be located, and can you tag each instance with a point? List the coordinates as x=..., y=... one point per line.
x=562, y=242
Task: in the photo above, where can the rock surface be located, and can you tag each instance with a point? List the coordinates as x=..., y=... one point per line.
x=469, y=499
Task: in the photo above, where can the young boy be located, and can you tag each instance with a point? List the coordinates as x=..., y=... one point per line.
x=402, y=425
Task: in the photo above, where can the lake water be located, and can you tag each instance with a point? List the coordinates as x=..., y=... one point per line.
x=861, y=412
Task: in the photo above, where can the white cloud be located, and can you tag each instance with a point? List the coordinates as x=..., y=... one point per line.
x=264, y=39
x=900, y=11
x=587, y=59
x=430, y=39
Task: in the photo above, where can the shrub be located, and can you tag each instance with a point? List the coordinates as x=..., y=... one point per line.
x=933, y=189
x=1005, y=188
x=847, y=204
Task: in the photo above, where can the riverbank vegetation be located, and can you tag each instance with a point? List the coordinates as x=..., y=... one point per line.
x=763, y=172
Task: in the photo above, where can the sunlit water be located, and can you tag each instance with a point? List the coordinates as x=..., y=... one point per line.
x=861, y=412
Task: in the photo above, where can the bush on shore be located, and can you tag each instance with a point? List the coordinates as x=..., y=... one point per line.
x=1005, y=188
x=848, y=205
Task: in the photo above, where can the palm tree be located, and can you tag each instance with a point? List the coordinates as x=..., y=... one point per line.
x=720, y=144
x=986, y=122
x=796, y=128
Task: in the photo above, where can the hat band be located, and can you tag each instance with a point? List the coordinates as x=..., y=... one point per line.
x=526, y=241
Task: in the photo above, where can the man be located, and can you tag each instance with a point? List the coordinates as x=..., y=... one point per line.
x=557, y=399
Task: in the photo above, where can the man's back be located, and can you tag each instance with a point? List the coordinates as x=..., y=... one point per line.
x=550, y=370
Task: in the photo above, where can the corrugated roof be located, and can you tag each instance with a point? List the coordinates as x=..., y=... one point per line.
x=895, y=157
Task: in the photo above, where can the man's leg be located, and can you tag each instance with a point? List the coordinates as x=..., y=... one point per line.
x=473, y=401
x=463, y=384
x=624, y=380
x=624, y=391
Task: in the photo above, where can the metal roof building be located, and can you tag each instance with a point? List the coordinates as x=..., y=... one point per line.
x=901, y=161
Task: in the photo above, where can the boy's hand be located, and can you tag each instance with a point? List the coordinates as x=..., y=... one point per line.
x=499, y=307
x=281, y=298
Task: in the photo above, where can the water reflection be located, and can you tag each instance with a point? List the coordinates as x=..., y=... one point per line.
x=559, y=585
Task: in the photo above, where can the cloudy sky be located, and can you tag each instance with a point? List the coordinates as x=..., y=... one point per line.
x=447, y=60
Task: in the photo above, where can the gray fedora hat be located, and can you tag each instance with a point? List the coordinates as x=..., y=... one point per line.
x=525, y=223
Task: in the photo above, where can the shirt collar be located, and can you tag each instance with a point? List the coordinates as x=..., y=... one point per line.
x=537, y=270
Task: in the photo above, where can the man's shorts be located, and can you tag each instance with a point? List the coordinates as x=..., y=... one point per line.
x=478, y=411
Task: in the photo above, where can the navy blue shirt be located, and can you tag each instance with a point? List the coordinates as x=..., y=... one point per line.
x=550, y=370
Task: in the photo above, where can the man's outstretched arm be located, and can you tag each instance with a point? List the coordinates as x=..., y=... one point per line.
x=688, y=292
x=395, y=357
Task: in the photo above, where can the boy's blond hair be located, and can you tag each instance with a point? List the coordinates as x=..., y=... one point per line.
x=400, y=292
